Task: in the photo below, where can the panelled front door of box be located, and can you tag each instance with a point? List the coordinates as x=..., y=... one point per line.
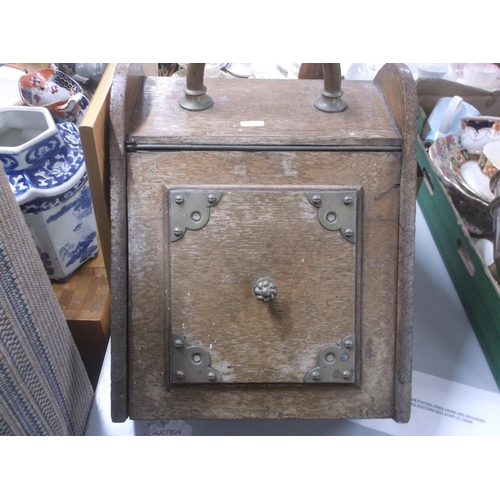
x=263, y=284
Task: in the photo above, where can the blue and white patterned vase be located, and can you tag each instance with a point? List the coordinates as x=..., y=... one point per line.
x=46, y=170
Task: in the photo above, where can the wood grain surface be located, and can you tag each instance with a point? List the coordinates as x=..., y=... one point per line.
x=283, y=106
x=254, y=234
x=152, y=289
x=399, y=90
x=127, y=82
x=85, y=303
x=94, y=133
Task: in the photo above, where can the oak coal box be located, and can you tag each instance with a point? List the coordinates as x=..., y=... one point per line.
x=262, y=246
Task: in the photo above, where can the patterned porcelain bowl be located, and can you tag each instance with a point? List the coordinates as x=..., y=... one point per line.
x=56, y=91
x=448, y=157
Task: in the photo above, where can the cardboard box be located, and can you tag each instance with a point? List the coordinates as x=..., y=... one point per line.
x=473, y=281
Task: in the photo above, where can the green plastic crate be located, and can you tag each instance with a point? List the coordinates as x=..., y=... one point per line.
x=478, y=291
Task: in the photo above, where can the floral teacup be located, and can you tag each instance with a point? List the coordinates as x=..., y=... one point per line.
x=478, y=131
x=57, y=92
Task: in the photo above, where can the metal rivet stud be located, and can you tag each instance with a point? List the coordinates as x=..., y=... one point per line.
x=315, y=375
x=211, y=198
x=346, y=374
x=316, y=200
x=347, y=200
x=211, y=376
x=348, y=344
x=179, y=374
x=179, y=199
x=349, y=232
x=178, y=343
x=178, y=231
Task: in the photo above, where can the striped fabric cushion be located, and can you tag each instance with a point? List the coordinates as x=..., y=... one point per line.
x=44, y=388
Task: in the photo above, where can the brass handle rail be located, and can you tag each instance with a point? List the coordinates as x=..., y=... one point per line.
x=330, y=101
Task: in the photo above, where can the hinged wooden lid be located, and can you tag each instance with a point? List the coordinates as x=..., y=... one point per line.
x=264, y=112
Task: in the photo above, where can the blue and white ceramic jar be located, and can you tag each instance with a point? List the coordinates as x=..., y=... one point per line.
x=45, y=167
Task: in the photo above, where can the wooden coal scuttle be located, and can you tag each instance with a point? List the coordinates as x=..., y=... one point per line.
x=262, y=246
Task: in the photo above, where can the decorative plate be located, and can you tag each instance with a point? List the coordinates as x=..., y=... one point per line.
x=447, y=158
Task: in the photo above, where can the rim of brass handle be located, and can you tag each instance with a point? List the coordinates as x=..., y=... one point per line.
x=329, y=101
x=195, y=93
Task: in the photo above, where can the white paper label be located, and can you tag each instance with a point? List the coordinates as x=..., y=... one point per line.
x=255, y=123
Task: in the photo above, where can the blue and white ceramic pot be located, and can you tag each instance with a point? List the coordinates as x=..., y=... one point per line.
x=46, y=170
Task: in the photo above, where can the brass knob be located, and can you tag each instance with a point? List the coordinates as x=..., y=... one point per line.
x=265, y=289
